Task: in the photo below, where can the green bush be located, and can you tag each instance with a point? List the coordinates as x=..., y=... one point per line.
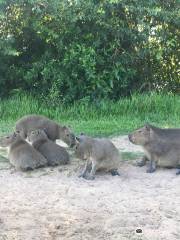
x=69, y=50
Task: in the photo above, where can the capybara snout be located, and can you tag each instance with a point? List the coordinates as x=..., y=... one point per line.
x=130, y=137
x=72, y=140
x=140, y=136
x=6, y=141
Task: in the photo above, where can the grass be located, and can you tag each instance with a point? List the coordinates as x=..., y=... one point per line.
x=131, y=155
x=105, y=119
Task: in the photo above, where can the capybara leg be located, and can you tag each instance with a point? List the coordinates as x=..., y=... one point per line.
x=115, y=172
x=87, y=168
x=26, y=169
x=142, y=162
x=91, y=175
x=151, y=167
x=178, y=170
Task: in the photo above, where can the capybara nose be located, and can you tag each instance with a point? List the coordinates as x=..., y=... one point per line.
x=73, y=141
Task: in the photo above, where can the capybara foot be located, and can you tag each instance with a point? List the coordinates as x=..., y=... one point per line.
x=89, y=177
x=150, y=170
x=29, y=168
x=81, y=175
x=115, y=172
x=141, y=163
x=13, y=170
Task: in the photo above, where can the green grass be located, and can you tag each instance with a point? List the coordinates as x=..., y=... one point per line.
x=107, y=119
x=131, y=155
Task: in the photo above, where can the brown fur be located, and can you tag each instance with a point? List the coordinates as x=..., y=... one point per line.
x=99, y=154
x=53, y=130
x=161, y=146
x=55, y=154
x=21, y=154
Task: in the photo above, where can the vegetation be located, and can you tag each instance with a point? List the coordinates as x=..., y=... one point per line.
x=85, y=63
x=102, y=119
x=131, y=155
x=67, y=50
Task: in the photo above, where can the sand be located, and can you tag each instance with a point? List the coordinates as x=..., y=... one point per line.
x=54, y=204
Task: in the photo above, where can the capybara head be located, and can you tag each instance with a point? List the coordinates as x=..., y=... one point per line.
x=140, y=136
x=7, y=140
x=81, y=148
x=35, y=135
x=67, y=136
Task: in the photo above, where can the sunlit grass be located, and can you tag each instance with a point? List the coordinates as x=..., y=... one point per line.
x=105, y=118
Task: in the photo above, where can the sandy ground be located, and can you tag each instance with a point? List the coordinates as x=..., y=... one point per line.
x=54, y=204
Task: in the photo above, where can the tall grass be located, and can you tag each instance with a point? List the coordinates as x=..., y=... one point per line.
x=104, y=118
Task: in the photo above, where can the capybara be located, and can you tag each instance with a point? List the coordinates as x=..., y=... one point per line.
x=161, y=146
x=55, y=154
x=21, y=154
x=53, y=130
x=99, y=153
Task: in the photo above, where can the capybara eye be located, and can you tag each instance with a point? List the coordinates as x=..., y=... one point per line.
x=67, y=135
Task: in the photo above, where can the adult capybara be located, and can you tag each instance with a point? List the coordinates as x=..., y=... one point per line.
x=21, y=154
x=53, y=130
x=55, y=154
x=99, y=153
x=161, y=146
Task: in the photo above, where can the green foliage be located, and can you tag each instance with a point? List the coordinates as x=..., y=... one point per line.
x=70, y=50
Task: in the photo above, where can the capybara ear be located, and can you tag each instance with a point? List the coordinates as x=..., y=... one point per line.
x=80, y=139
x=65, y=128
x=76, y=144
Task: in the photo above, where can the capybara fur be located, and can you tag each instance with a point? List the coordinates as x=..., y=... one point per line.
x=21, y=154
x=99, y=153
x=161, y=146
x=53, y=130
x=55, y=154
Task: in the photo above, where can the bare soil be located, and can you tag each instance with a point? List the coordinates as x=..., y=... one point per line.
x=54, y=204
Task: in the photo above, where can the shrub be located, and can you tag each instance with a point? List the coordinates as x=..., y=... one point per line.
x=70, y=50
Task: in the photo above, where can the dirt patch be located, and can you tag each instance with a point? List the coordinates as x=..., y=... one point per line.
x=54, y=204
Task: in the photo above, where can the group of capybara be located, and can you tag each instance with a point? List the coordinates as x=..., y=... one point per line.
x=33, y=145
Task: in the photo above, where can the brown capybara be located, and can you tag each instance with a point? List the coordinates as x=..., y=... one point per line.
x=53, y=130
x=99, y=153
x=55, y=154
x=161, y=146
x=21, y=154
